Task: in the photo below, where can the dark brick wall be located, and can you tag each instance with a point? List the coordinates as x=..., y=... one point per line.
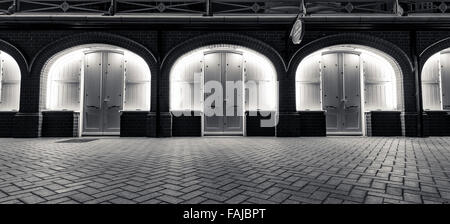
x=164, y=127
x=400, y=39
x=27, y=125
x=446, y=131
x=253, y=124
x=438, y=123
x=6, y=123
x=152, y=124
x=32, y=42
x=173, y=38
x=312, y=123
x=368, y=117
x=425, y=39
x=385, y=123
x=133, y=123
x=411, y=124
x=288, y=124
x=60, y=123
x=187, y=123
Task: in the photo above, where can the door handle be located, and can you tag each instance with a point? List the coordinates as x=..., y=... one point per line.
x=95, y=107
x=331, y=107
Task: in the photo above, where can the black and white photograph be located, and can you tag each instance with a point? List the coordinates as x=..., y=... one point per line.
x=224, y=110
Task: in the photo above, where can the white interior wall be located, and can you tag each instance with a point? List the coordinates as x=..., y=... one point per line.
x=436, y=82
x=9, y=83
x=64, y=82
x=308, y=84
x=379, y=81
x=186, y=80
x=431, y=81
x=260, y=71
x=137, y=83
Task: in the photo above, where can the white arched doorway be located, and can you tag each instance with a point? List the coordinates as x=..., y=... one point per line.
x=436, y=82
x=99, y=81
x=9, y=83
x=347, y=81
x=221, y=83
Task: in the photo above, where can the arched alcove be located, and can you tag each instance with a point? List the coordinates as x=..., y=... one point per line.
x=436, y=82
x=99, y=81
x=347, y=81
x=435, y=79
x=191, y=74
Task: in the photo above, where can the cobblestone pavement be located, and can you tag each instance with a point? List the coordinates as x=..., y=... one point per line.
x=226, y=170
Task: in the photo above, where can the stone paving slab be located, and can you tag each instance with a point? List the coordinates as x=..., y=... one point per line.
x=226, y=170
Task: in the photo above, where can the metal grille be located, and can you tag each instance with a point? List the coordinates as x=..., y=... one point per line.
x=224, y=7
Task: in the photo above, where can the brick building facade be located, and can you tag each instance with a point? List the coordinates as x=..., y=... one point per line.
x=161, y=44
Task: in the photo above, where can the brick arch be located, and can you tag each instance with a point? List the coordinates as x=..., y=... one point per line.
x=214, y=39
x=426, y=54
x=431, y=50
x=17, y=55
x=45, y=55
x=401, y=58
x=23, y=66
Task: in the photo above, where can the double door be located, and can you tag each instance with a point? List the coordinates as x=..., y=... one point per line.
x=224, y=68
x=341, y=77
x=103, y=90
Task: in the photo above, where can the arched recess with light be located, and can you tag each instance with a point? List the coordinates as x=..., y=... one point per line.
x=221, y=63
x=348, y=81
x=99, y=81
x=10, y=76
x=436, y=82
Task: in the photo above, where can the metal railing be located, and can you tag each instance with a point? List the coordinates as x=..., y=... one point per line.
x=224, y=7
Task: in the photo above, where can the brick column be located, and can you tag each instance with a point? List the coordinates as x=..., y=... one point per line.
x=164, y=128
x=27, y=123
x=152, y=124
